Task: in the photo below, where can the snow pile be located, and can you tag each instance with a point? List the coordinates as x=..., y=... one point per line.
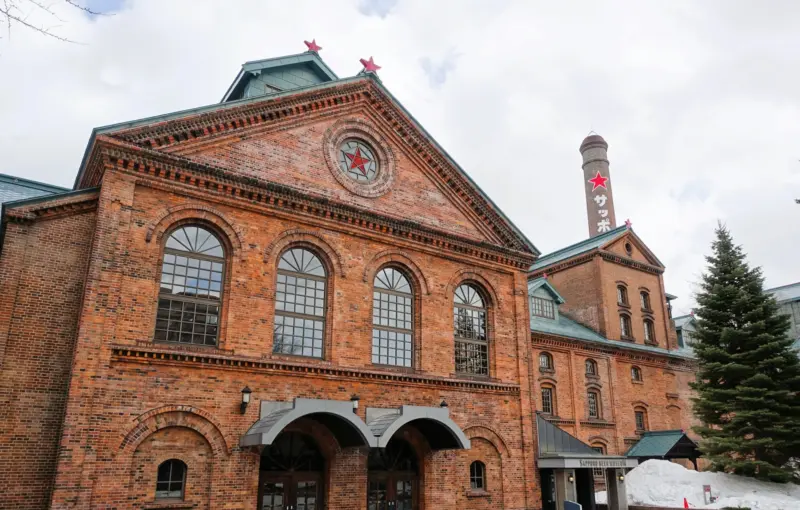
x=663, y=483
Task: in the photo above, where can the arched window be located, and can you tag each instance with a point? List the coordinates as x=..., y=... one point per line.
x=591, y=367
x=548, y=399
x=622, y=295
x=546, y=362
x=645, y=298
x=190, y=296
x=392, y=324
x=477, y=476
x=171, y=479
x=625, y=326
x=640, y=416
x=649, y=331
x=636, y=374
x=300, y=304
x=469, y=327
x=593, y=398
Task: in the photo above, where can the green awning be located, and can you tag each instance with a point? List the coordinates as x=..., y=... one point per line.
x=664, y=444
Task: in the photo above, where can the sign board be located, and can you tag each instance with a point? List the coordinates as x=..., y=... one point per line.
x=707, y=497
x=571, y=505
x=603, y=463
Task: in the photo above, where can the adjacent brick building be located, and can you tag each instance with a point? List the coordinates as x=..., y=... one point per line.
x=295, y=299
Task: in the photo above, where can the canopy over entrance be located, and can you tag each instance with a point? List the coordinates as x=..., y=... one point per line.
x=665, y=444
x=561, y=450
x=434, y=423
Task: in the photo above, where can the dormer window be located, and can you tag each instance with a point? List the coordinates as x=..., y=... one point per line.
x=541, y=307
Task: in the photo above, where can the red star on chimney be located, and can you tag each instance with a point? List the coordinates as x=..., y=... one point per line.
x=598, y=181
x=369, y=65
x=313, y=46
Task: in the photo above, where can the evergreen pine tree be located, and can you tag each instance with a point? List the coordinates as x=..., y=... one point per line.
x=748, y=384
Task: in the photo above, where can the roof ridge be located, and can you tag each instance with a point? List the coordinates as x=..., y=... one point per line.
x=606, y=235
x=28, y=183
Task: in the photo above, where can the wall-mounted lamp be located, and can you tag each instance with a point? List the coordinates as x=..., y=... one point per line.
x=354, y=399
x=621, y=478
x=443, y=404
x=570, y=478
x=245, y=399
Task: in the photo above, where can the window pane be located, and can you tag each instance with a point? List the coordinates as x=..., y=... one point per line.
x=547, y=400
x=182, y=323
x=542, y=308
x=472, y=358
x=593, y=405
x=299, y=304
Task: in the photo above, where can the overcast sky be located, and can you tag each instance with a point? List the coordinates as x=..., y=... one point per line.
x=699, y=101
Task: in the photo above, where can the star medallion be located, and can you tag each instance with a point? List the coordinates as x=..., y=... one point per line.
x=357, y=160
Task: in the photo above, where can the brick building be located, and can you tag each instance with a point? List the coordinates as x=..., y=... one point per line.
x=295, y=299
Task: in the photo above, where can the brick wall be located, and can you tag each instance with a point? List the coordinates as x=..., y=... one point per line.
x=42, y=271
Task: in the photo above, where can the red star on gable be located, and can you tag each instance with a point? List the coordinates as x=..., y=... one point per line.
x=358, y=161
x=369, y=65
x=598, y=181
x=628, y=224
x=313, y=46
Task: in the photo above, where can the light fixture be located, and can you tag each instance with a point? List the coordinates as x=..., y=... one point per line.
x=245, y=399
x=443, y=404
x=571, y=478
x=621, y=478
x=354, y=399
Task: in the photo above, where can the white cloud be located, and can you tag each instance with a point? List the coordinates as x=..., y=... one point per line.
x=698, y=101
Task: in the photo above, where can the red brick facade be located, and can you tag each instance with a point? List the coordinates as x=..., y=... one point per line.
x=91, y=405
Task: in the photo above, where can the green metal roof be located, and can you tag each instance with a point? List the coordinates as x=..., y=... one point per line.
x=16, y=188
x=554, y=441
x=578, y=248
x=657, y=443
x=538, y=283
x=568, y=328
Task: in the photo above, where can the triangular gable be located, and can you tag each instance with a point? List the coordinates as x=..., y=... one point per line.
x=542, y=283
x=640, y=252
x=554, y=441
x=168, y=133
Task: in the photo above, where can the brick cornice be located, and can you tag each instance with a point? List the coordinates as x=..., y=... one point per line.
x=641, y=266
x=155, y=355
x=182, y=172
x=235, y=121
x=48, y=208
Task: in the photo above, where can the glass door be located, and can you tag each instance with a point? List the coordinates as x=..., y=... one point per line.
x=273, y=493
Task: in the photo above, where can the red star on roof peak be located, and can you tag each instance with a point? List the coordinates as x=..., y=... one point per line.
x=313, y=46
x=358, y=161
x=598, y=181
x=628, y=224
x=544, y=275
x=369, y=65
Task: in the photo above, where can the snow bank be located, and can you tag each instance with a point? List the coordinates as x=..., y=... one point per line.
x=663, y=483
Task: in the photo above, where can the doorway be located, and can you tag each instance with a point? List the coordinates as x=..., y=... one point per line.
x=290, y=476
x=393, y=481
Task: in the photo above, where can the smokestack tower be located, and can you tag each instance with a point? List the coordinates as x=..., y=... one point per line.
x=597, y=183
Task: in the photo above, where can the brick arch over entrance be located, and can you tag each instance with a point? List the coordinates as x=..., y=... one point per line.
x=487, y=433
x=179, y=213
x=386, y=257
x=174, y=416
x=309, y=237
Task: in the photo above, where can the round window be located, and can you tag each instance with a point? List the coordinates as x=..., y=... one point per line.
x=357, y=160
x=629, y=248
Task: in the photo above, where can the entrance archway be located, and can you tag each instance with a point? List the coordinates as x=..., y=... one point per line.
x=291, y=474
x=393, y=481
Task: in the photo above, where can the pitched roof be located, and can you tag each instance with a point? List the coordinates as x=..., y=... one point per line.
x=578, y=248
x=658, y=443
x=554, y=441
x=539, y=283
x=568, y=328
x=16, y=188
x=784, y=293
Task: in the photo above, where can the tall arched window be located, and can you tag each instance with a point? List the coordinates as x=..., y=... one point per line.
x=477, y=476
x=625, y=326
x=300, y=304
x=392, y=318
x=649, y=331
x=171, y=479
x=599, y=448
x=471, y=338
x=190, y=296
x=546, y=362
x=645, y=298
x=593, y=398
x=591, y=367
x=640, y=417
x=548, y=399
x=622, y=295
x=636, y=374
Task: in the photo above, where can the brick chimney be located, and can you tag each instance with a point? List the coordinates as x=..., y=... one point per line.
x=597, y=182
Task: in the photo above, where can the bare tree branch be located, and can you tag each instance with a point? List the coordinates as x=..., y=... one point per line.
x=12, y=12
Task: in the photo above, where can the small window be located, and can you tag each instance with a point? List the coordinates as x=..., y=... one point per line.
x=636, y=374
x=622, y=295
x=171, y=479
x=645, y=298
x=641, y=420
x=625, y=326
x=598, y=472
x=680, y=338
x=628, y=249
x=591, y=367
x=594, y=404
x=477, y=476
x=649, y=331
x=545, y=361
x=541, y=307
x=548, y=400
